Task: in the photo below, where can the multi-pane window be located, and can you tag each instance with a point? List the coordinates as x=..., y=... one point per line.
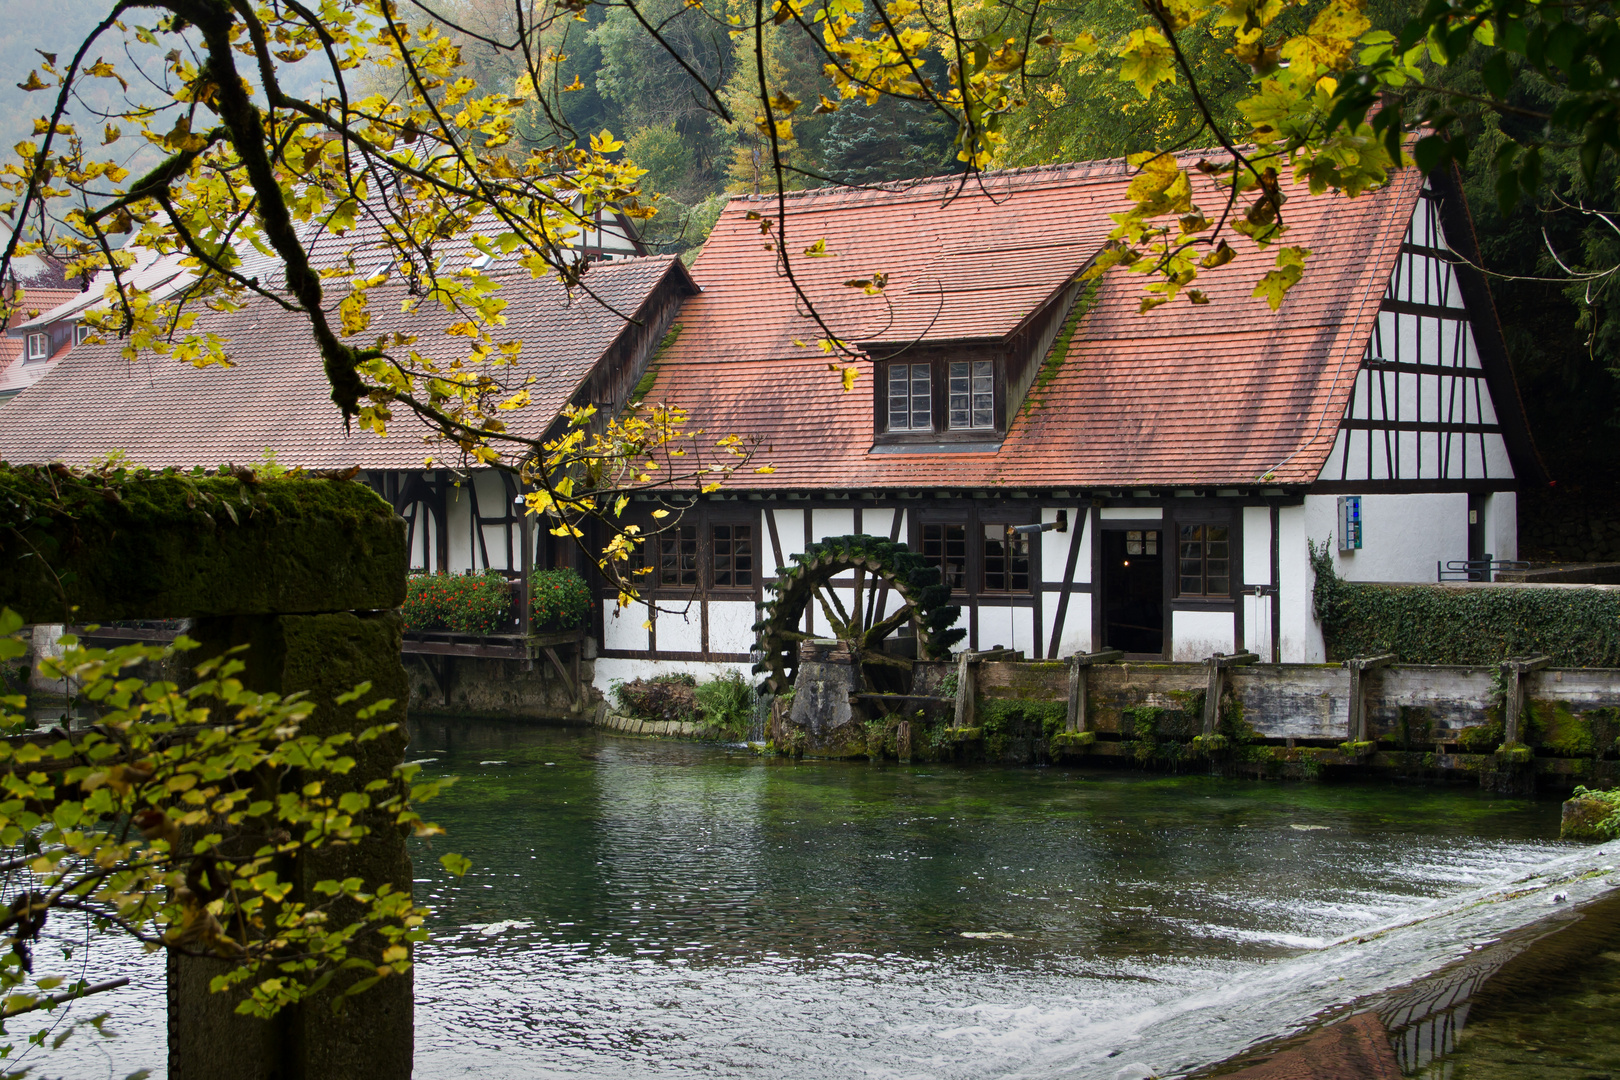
x=972, y=394
x=1006, y=559
x=1205, y=560
x=733, y=555
x=945, y=546
x=38, y=346
x=1142, y=542
x=678, y=556
x=910, y=398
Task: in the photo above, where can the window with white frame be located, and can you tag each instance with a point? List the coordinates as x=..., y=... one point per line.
x=39, y=346
x=910, y=397
x=972, y=394
x=80, y=332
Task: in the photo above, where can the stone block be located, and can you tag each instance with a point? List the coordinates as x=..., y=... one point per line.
x=1582, y=817
x=158, y=552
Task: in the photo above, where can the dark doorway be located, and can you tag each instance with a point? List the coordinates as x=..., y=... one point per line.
x=1133, y=590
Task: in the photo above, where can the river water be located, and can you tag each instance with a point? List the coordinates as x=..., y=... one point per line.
x=654, y=909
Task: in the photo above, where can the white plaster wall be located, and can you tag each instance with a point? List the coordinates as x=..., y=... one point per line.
x=1130, y=513
x=422, y=547
x=1256, y=545
x=681, y=630
x=1011, y=628
x=1082, y=565
x=1301, y=637
x=1055, y=546
x=625, y=628
x=610, y=671
x=825, y=523
x=1402, y=535
x=1502, y=524
x=1194, y=635
x=789, y=530
x=1076, y=636
x=731, y=626
x=1257, y=624
x=878, y=522
x=1256, y=611
x=458, y=516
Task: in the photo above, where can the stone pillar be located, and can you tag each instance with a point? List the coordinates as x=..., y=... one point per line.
x=323, y=655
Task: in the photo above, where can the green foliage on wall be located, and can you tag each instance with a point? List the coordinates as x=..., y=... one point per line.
x=1434, y=624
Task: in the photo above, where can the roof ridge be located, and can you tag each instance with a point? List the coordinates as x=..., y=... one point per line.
x=1083, y=169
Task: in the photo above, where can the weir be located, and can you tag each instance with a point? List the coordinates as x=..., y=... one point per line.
x=1511, y=725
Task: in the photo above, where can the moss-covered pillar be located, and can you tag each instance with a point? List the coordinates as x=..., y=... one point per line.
x=322, y=655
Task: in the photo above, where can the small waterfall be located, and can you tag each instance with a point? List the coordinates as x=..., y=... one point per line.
x=761, y=717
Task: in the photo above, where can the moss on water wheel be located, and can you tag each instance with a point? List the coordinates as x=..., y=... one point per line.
x=883, y=567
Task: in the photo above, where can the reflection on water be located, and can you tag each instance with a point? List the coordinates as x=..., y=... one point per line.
x=642, y=909
x=661, y=909
x=1538, y=1005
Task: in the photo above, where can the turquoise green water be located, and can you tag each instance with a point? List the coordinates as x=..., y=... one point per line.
x=654, y=909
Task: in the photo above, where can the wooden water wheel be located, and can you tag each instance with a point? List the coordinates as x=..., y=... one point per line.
x=882, y=568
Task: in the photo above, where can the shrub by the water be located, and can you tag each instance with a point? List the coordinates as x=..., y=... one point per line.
x=558, y=599
x=726, y=705
x=662, y=697
x=469, y=604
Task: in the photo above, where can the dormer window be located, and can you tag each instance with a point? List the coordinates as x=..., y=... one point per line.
x=943, y=399
x=39, y=346
x=80, y=333
x=911, y=398
x=973, y=394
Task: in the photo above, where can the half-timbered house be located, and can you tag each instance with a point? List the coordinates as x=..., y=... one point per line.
x=582, y=348
x=1085, y=475
x=1181, y=461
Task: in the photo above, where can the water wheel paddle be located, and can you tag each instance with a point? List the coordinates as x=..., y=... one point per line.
x=881, y=567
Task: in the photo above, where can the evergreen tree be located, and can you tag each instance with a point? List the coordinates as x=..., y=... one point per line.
x=892, y=140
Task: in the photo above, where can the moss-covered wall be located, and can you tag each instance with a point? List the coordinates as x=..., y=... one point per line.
x=169, y=546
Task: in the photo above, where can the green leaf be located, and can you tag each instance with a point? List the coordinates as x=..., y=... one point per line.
x=1497, y=74
x=456, y=864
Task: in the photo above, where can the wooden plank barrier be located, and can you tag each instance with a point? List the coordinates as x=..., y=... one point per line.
x=1358, y=666
x=1517, y=668
x=1218, y=666
x=1080, y=666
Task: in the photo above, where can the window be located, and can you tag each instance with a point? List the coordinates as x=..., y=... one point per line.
x=945, y=546
x=38, y=346
x=733, y=557
x=678, y=556
x=1205, y=560
x=973, y=393
x=1143, y=542
x=80, y=333
x=1006, y=559
x=910, y=398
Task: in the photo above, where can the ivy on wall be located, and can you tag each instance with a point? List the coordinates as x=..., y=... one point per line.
x=1436, y=624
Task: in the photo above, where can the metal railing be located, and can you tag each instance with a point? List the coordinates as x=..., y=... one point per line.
x=1484, y=569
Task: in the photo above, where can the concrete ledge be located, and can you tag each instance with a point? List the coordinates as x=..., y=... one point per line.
x=630, y=725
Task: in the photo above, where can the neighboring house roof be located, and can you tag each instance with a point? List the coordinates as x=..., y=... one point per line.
x=17, y=372
x=163, y=412
x=1220, y=394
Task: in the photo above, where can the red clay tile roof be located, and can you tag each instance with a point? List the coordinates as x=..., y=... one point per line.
x=1184, y=396
x=160, y=412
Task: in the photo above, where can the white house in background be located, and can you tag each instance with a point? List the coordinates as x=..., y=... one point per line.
x=1195, y=450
